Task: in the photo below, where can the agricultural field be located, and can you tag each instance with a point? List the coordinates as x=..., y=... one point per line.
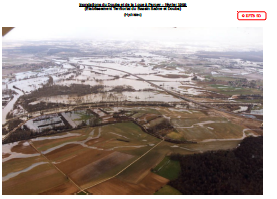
x=148, y=185
x=25, y=171
x=168, y=190
x=168, y=168
x=104, y=117
x=116, y=154
x=97, y=152
x=229, y=90
x=207, y=128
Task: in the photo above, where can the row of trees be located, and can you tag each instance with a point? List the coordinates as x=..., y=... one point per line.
x=243, y=82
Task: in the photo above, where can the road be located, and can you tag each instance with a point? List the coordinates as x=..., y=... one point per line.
x=9, y=133
x=123, y=168
x=32, y=145
x=169, y=92
x=177, y=94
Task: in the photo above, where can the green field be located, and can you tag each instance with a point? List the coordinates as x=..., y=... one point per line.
x=84, y=116
x=168, y=168
x=192, y=121
x=175, y=136
x=82, y=193
x=223, y=78
x=194, y=129
x=92, y=154
x=229, y=90
x=146, y=110
x=168, y=190
x=177, y=113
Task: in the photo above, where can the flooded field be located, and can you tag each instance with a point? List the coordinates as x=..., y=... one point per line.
x=91, y=71
x=97, y=117
x=112, y=97
x=92, y=148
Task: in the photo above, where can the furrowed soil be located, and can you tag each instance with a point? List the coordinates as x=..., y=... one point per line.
x=93, y=170
x=64, y=189
x=80, y=158
x=148, y=185
x=37, y=180
x=18, y=164
x=141, y=168
x=23, y=147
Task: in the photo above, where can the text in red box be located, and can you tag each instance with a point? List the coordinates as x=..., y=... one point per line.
x=251, y=15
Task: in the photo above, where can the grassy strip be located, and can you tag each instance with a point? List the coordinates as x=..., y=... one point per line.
x=168, y=168
x=168, y=190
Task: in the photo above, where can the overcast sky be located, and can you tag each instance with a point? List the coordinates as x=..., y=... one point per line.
x=233, y=38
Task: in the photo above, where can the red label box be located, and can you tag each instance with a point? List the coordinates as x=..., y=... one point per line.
x=251, y=15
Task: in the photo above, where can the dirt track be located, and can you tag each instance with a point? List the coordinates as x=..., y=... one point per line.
x=124, y=168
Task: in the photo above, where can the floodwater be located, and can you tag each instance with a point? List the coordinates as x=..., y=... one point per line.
x=202, y=124
x=13, y=174
x=159, y=78
x=249, y=116
x=233, y=139
x=242, y=108
x=32, y=80
x=112, y=97
x=193, y=91
x=56, y=136
x=74, y=117
x=90, y=137
x=136, y=84
x=9, y=106
x=257, y=112
x=6, y=149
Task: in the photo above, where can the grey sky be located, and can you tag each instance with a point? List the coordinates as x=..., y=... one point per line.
x=233, y=38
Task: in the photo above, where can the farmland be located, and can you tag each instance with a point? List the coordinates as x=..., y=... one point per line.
x=91, y=155
x=106, y=117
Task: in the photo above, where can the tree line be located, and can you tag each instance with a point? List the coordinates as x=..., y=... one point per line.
x=230, y=172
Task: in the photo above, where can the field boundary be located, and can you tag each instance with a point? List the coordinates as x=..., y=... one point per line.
x=122, y=169
x=32, y=145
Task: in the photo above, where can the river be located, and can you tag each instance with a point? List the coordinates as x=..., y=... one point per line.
x=9, y=106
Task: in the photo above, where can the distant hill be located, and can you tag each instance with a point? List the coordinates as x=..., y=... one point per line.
x=256, y=56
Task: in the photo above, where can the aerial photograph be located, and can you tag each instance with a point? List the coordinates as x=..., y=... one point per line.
x=132, y=111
